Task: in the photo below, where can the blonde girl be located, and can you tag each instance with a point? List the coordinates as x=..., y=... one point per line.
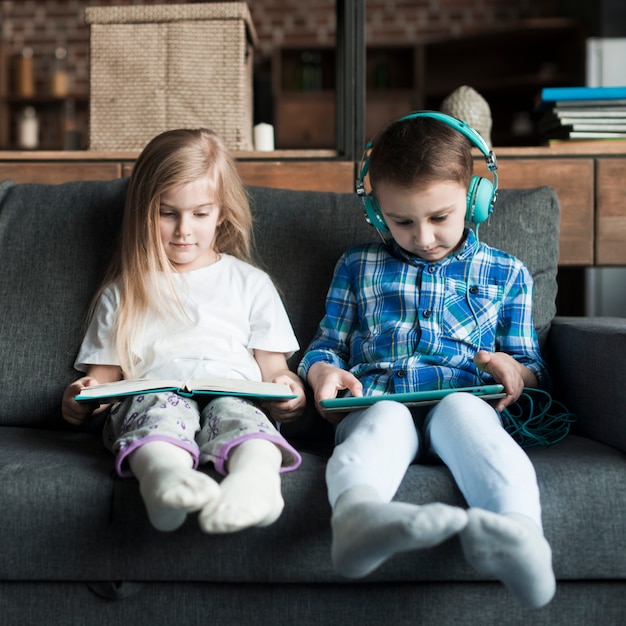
x=182, y=299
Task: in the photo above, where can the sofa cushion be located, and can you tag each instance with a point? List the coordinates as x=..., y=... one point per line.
x=59, y=491
x=54, y=243
x=309, y=231
x=526, y=223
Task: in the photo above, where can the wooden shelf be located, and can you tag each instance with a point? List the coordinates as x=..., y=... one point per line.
x=56, y=113
x=321, y=170
x=508, y=66
x=45, y=99
x=586, y=176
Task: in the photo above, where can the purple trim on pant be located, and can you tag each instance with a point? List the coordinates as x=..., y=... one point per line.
x=135, y=445
x=279, y=441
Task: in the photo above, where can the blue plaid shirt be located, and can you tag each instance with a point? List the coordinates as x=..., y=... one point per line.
x=399, y=323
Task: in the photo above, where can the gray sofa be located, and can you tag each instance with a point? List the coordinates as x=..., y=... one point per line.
x=76, y=546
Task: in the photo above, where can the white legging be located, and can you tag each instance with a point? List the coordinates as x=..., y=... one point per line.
x=375, y=446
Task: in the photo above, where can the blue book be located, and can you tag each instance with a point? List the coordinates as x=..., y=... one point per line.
x=581, y=94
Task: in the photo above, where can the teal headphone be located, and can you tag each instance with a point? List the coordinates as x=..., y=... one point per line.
x=481, y=194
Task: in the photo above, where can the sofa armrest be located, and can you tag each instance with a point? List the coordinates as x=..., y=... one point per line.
x=588, y=360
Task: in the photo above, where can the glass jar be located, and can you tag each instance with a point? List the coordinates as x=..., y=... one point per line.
x=59, y=83
x=25, y=74
x=28, y=129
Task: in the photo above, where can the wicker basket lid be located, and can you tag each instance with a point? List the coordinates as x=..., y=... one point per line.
x=172, y=13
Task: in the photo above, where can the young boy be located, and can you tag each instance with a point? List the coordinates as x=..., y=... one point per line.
x=432, y=307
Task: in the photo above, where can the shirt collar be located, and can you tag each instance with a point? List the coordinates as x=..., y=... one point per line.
x=466, y=250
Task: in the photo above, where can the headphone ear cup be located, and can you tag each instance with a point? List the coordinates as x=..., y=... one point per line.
x=373, y=214
x=480, y=197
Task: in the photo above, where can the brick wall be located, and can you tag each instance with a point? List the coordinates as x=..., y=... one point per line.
x=44, y=25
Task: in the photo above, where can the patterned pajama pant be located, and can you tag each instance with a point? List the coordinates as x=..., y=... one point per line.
x=208, y=432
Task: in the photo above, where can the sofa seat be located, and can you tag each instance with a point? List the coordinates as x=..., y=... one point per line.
x=85, y=524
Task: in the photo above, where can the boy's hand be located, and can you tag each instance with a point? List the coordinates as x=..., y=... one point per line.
x=326, y=381
x=77, y=412
x=288, y=410
x=506, y=371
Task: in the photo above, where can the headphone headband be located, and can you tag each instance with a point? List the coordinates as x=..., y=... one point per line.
x=481, y=195
x=463, y=127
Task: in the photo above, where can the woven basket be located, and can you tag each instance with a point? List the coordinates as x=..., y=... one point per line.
x=154, y=68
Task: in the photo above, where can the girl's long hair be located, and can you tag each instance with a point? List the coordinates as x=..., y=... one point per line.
x=173, y=158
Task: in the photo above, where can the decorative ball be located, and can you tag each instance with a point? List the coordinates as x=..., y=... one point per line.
x=466, y=104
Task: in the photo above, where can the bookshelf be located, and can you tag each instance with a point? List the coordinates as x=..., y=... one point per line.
x=56, y=114
x=303, y=81
x=508, y=66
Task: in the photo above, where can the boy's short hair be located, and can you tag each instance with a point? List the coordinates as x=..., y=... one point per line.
x=415, y=152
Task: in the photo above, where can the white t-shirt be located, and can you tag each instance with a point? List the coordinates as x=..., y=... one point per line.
x=233, y=308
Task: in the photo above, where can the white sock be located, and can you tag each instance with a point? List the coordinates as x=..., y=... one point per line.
x=367, y=531
x=250, y=493
x=169, y=485
x=513, y=549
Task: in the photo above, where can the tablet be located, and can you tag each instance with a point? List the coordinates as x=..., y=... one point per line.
x=412, y=398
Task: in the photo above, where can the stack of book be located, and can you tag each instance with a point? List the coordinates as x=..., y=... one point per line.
x=581, y=113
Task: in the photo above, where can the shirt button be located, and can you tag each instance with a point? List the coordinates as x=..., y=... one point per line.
x=427, y=313
x=473, y=289
x=401, y=373
x=431, y=269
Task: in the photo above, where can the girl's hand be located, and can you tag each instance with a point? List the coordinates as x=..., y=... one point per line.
x=506, y=371
x=327, y=381
x=273, y=366
x=77, y=412
x=288, y=410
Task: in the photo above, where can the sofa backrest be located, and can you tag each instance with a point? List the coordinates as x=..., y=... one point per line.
x=55, y=241
x=54, y=244
x=309, y=231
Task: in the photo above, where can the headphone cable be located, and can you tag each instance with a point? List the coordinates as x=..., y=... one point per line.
x=536, y=419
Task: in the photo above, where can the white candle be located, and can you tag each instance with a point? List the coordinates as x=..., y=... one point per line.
x=264, y=137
